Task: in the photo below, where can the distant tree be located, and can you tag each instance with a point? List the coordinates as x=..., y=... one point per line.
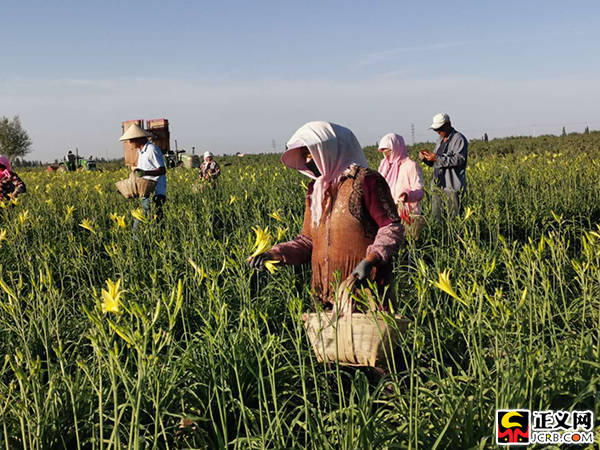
x=564, y=132
x=485, y=137
x=14, y=140
x=587, y=130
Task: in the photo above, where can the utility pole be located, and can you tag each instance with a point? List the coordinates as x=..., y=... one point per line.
x=412, y=132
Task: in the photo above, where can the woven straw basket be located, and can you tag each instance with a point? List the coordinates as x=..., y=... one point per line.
x=145, y=187
x=353, y=339
x=135, y=187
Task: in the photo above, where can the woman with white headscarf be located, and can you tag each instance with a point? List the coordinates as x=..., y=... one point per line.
x=405, y=179
x=350, y=222
x=209, y=169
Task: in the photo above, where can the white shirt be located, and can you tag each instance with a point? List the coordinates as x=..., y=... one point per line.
x=150, y=157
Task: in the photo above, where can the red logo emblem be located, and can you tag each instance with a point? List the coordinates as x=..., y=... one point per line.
x=512, y=427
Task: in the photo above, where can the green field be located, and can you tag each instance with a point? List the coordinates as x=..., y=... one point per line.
x=205, y=353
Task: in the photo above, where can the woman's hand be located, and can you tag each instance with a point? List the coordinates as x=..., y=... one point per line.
x=363, y=270
x=258, y=262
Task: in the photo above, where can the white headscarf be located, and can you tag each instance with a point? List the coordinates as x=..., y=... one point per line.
x=333, y=148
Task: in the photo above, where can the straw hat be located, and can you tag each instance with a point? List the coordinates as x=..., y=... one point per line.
x=134, y=131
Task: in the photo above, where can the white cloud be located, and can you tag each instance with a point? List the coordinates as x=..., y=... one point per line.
x=382, y=55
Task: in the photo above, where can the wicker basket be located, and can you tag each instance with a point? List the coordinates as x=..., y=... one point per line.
x=145, y=187
x=127, y=187
x=353, y=339
x=135, y=187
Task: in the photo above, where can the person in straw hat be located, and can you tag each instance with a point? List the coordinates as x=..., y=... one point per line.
x=449, y=162
x=209, y=169
x=351, y=225
x=150, y=165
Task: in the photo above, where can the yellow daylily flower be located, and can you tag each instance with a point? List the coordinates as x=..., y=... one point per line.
x=69, y=211
x=111, y=297
x=270, y=265
x=281, y=233
x=468, y=212
x=23, y=217
x=139, y=215
x=231, y=199
x=119, y=221
x=2, y=235
x=262, y=242
x=275, y=215
x=88, y=225
x=444, y=284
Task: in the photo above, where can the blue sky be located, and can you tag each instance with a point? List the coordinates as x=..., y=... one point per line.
x=235, y=75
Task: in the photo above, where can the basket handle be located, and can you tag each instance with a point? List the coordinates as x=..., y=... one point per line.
x=343, y=303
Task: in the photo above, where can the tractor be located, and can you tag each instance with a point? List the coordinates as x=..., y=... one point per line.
x=73, y=162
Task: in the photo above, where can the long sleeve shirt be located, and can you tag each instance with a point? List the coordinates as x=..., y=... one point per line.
x=387, y=241
x=409, y=182
x=450, y=166
x=359, y=220
x=11, y=185
x=209, y=170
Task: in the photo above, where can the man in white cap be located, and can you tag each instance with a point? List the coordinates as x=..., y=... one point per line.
x=449, y=162
x=150, y=165
x=209, y=169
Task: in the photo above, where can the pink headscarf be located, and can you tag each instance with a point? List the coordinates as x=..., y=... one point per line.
x=333, y=148
x=390, y=168
x=7, y=167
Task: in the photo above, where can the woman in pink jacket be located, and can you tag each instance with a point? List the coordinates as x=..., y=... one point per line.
x=405, y=179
